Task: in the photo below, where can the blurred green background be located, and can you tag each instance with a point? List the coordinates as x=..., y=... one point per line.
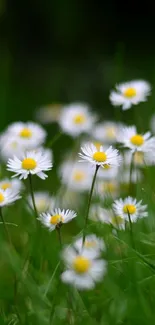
x=63, y=51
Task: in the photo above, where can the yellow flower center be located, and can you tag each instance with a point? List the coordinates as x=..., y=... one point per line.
x=117, y=220
x=100, y=156
x=129, y=208
x=56, y=219
x=4, y=186
x=90, y=244
x=29, y=163
x=137, y=140
x=139, y=157
x=81, y=264
x=110, y=132
x=97, y=145
x=79, y=119
x=1, y=198
x=130, y=92
x=78, y=176
x=25, y=133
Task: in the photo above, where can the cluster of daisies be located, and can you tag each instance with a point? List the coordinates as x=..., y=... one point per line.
x=99, y=168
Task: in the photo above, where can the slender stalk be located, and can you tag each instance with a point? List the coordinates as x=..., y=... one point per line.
x=131, y=169
x=59, y=236
x=32, y=196
x=5, y=227
x=54, y=140
x=89, y=203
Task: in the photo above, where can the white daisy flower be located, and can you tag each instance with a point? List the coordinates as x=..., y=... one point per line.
x=106, y=188
x=49, y=113
x=130, y=93
x=43, y=201
x=14, y=184
x=76, y=119
x=31, y=163
x=107, y=216
x=83, y=270
x=135, y=141
x=130, y=206
x=100, y=157
x=8, y=196
x=107, y=132
x=56, y=218
x=77, y=176
x=29, y=134
x=93, y=245
x=10, y=146
x=108, y=173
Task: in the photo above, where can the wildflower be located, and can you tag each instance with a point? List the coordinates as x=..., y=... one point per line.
x=82, y=269
x=92, y=245
x=130, y=93
x=29, y=134
x=107, y=132
x=49, y=113
x=76, y=119
x=135, y=141
x=31, y=163
x=9, y=147
x=100, y=157
x=130, y=206
x=107, y=188
x=56, y=218
x=8, y=196
x=14, y=184
x=43, y=201
x=76, y=176
x=107, y=216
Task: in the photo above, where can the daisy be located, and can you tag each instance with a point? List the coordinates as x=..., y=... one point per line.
x=43, y=201
x=107, y=188
x=130, y=206
x=8, y=196
x=130, y=93
x=14, y=184
x=135, y=141
x=31, y=163
x=76, y=119
x=107, y=132
x=82, y=269
x=92, y=245
x=10, y=146
x=100, y=157
x=29, y=134
x=97, y=213
x=77, y=176
x=108, y=173
x=56, y=218
x=49, y=113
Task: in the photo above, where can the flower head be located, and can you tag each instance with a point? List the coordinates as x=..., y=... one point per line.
x=8, y=196
x=49, y=113
x=32, y=162
x=107, y=132
x=43, y=201
x=130, y=206
x=76, y=119
x=76, y=176
x=92, y=245
x=99, y=157
x=130, y=138
x=130, y=93
x=56, y=218
x=14, y=184
x=82, y=269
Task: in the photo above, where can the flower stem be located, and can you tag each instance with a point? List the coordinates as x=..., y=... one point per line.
x=54, y=140
x=131, y=231
x=131, y=169
x=32, y=196
x=59, y=236
x=5, y=227
x=89, y=203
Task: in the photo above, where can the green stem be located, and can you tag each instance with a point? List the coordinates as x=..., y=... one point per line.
x=32, y=196
x=54, y=140
x=5, y=227
x=131, y=231
x=89, y=203
x=131, y=169
x=59, y=236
